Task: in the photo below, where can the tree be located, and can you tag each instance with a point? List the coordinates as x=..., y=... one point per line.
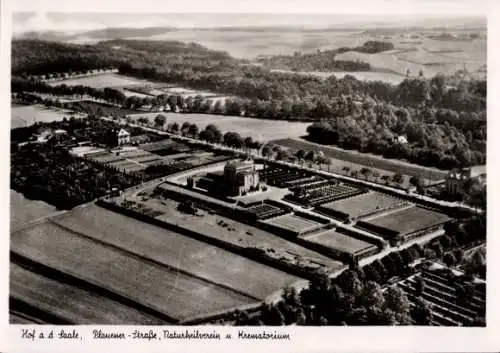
x=419, y=286
x=310, y=156
x=366, y=172
x=232, y=139
x=160, y=120
x=449, y=259
x=185, y=128
x=372, y=295
x=283, y=154
x=417, y=182
x=267, y=151
x=193, y=130
x=175, y=128
x=422, y=312
x=248, y=142
x=300, y=154
x=397, y=301
x=397, y=178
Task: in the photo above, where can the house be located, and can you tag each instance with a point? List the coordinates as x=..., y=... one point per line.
x=457, y=179
x=123, y=137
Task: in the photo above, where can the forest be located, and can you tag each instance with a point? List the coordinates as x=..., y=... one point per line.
x=445, y=125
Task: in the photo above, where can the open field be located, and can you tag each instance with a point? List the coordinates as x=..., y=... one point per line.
x=23, y=211
x=362, y=205
x=177, y=251
x=259, y=129
x=352, y=158
x=102, y=81
x=70, y=303
x=339, y=241
x=165, y=290
x=293, y=223
x=22, y=116
x=408, y=220
x=431, y=56
x=16, y=318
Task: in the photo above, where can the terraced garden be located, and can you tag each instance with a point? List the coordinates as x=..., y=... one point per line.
x=450, y=307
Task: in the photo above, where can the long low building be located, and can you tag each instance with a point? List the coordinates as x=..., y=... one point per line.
x=341, y=244
x=404, y=224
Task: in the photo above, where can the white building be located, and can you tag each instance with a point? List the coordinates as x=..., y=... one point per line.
x=123, y=137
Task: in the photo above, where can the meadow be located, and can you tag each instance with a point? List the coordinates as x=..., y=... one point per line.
x=259, y=129
x=22, y=116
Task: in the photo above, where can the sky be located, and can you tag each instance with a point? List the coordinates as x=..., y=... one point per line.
x=71, y=15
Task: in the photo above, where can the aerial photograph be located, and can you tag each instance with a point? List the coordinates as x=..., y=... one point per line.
x=247, y=169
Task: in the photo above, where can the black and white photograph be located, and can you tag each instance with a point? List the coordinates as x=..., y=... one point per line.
x=266, y=169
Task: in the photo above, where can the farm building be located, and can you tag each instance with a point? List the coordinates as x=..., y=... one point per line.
x=457, y=179
x=123, y=137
